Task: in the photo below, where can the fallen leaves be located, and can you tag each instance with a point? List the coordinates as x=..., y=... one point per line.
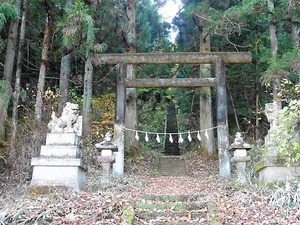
x=200, y=198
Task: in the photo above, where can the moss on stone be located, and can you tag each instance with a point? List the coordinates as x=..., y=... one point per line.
x=260, y=165
x=128, y=214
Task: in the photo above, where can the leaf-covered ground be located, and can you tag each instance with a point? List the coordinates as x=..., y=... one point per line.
x=218, y=201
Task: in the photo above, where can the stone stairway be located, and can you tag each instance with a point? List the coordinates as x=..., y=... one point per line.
x=170, y=210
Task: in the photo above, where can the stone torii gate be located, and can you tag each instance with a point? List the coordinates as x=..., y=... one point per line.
x=219, y=81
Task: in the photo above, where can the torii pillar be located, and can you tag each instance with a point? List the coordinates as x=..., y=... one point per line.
x=119, y=136
x=222, y=121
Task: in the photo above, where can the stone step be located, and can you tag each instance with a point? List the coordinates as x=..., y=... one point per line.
x=173, y=206
x=170, y=209
x=174, y=221
x=173, y=213
x=172, y=166
x=173, y=198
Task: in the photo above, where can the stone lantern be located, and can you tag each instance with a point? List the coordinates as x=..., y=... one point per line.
x=240, y=158
x=107, y=158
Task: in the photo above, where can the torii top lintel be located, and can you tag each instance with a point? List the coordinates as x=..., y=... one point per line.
x=172, y=58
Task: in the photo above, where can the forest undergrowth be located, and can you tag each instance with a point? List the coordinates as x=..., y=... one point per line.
x=223, y=201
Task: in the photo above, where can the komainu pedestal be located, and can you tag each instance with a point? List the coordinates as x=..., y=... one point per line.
x=60, y=162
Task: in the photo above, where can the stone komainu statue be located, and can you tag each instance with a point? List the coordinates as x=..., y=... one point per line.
x=70, y=121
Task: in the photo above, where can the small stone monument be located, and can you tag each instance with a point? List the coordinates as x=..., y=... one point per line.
x=240, y=157
x=60, y=162
x=107, y=159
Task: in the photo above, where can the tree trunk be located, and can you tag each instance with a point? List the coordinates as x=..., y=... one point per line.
x=131, y=111
x=296, y=34
x=295, y=22
x=87, y=118
x=8, y=69
x=87, y=98
x=206, y=119
x=274, y=50
x=18, y=80
x=295, y=25
x=257, y=119
x=65, y=72
x=272, y=28
x=11, y=46
x=94, y=3
x=5, y=95
x=43, y=67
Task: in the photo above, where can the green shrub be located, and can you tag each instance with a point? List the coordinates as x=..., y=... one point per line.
x=287, y=133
